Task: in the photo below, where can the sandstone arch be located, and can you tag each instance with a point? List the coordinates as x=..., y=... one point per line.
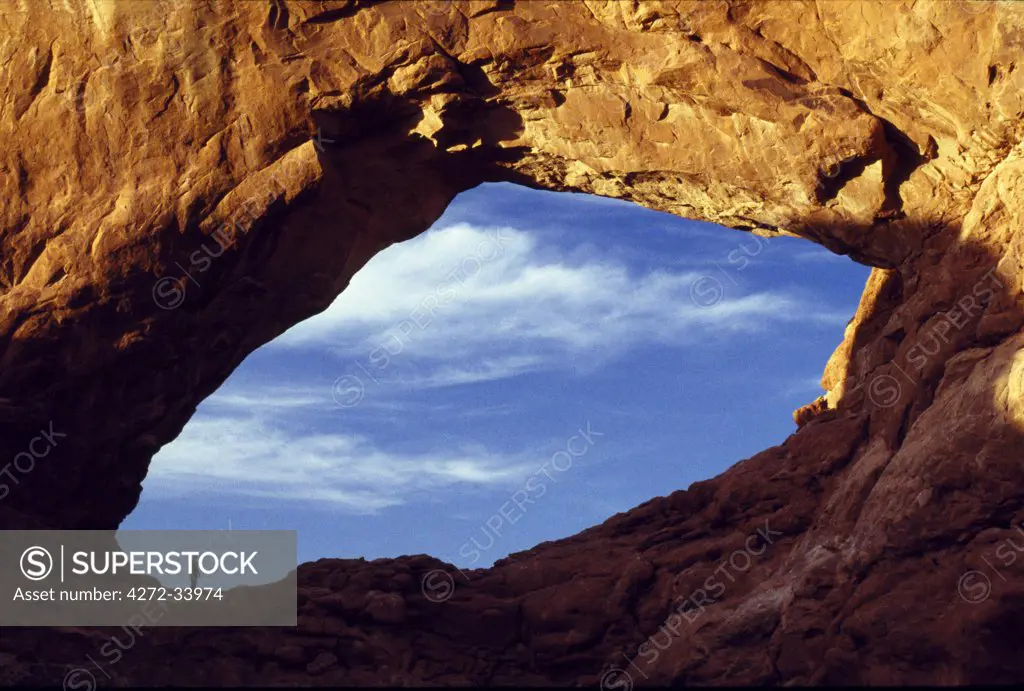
x=888, y=131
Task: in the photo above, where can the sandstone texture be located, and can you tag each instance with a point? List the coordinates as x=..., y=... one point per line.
x=874, y=546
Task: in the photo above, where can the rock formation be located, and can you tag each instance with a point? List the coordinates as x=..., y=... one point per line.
x=141, y=135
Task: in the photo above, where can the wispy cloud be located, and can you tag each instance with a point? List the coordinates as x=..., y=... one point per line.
x=476, y=304
x=268, y=399
x=817, y=254
x=249, y=456
x=488, y=370
x=295, y=403
x=456, y=306
x=805, y=386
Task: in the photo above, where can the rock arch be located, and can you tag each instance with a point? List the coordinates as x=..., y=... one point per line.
x=313, y=135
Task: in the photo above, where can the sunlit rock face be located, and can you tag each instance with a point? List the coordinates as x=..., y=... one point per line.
x=183, y=181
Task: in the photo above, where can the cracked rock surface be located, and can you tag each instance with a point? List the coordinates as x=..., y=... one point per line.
x=873, y=546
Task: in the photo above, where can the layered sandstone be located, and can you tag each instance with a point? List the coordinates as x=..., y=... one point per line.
x=311, y=135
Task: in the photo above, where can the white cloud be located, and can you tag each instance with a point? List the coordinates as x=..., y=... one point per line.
x=818, y=254
x=474, y=304
x=247, y=456
x=504, y=305
x=805, y=386
x=487, y=370
x=279, y=402
x=268, y=398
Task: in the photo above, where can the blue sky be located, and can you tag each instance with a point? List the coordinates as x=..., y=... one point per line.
x=532, y=365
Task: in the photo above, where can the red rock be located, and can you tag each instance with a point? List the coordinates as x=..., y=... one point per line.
x=291, y=654
x=322, y=663
x=386, y=608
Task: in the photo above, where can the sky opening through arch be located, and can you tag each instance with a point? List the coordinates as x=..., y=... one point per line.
x=532, y=365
